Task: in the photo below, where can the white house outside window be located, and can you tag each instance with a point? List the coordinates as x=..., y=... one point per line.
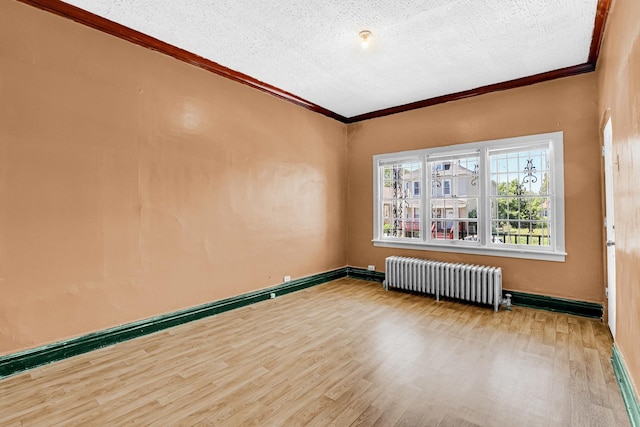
x=501, y=197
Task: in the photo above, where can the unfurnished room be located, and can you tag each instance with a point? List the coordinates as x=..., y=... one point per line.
x=417, y=213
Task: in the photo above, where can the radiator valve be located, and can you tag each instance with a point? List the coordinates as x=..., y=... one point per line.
x=507, y=301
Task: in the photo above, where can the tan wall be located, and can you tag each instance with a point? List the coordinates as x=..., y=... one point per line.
x=132, y=184
x=619, y=95
x=567, y=105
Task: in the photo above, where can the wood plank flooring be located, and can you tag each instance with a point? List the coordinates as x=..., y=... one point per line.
x=344, y=353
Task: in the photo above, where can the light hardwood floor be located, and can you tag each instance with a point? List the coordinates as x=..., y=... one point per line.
x=342, y=353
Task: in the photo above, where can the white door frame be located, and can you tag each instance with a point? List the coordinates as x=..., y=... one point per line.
x=607, y=151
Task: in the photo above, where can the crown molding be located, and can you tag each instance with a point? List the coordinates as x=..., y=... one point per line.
x=511, y=84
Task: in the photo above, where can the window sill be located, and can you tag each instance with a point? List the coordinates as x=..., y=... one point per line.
x=474, y=250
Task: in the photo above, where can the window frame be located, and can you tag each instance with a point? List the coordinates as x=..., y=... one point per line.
x=483, y=246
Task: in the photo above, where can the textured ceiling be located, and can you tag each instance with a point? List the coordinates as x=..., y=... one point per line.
x=420, y=49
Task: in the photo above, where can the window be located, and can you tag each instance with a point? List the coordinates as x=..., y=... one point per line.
x=400, y=206
x=416, y=188
x=520, y=196
x=501, y=197
x=446, y=187
x=454, y=196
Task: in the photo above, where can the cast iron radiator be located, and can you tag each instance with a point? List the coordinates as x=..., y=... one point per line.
x=475, y=283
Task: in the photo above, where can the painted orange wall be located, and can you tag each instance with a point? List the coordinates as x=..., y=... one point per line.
x=619, y=95
x=133, y=184
x=567, y=105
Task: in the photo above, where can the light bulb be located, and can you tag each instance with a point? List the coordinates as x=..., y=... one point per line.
x=364, y=36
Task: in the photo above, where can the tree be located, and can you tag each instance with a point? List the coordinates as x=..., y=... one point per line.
x=518, y=206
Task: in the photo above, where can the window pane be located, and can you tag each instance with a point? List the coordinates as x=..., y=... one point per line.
x=457, y=218
x=455, y=177
x=454, y=197
x=400, y=201
x=520, y=199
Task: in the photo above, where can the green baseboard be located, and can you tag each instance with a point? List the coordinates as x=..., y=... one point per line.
x=561, y=305
x=24, y=360
x=363, y=274
x=628, y=395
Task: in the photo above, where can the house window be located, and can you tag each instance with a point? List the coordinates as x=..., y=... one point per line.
x=446, y=187
x=416, y=188
x=502, y=197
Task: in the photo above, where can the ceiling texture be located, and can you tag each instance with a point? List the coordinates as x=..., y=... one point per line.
x=421, y=52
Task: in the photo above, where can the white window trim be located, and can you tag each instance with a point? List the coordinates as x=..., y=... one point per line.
x=554, y=253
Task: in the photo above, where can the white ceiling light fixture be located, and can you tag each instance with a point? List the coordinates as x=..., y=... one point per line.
x=364, y=36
